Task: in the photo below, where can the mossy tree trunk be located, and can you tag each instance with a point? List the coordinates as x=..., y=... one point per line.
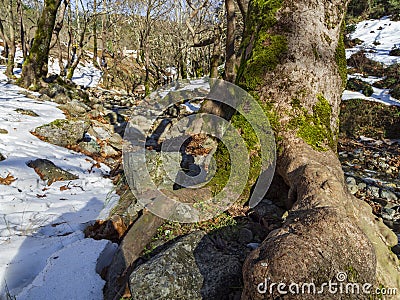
x=35, y=66
x=293, y=62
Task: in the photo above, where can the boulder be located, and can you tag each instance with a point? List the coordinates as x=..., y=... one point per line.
x=27, y=112
x=108, y=151
x=191, y=268
x=47, y=170
x=91, y=147
x=101, y=131
x=116, y=141
x=2, y=157
x=63, y=132
x=53, y=90
x=61, y=98
x=75, y=108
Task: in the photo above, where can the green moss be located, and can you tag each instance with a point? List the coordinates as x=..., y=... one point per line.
x=267, y=48
x=223, y=167
x=315, y=128
x=352, y=274
x=223, y=162
x=147, y=88
x=340, y=57
x=58, y=123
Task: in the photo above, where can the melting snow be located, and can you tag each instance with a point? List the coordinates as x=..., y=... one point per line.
x=379, y=37
x=42, y=246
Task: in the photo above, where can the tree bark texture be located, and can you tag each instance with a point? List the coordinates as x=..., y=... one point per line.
x=293, y=62
x=35, y=66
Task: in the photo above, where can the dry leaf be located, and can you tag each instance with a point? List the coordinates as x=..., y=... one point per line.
x=7, y=180
x=64, y=188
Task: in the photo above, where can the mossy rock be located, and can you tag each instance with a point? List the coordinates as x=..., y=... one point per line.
x=3, y=131
x=27, y=112
x=371, y=119
x=63, y=132
x=47, y=170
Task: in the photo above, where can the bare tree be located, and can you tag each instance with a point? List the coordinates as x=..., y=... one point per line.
x=35, y=66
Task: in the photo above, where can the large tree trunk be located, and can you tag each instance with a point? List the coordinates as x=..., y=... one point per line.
x=35, y=66
x=294, y=62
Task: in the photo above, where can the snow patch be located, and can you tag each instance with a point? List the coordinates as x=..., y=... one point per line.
x=37, y=220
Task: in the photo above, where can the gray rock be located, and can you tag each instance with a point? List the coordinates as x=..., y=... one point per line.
x=116, y=141
x=373, y=191
x=350, y=181
x=53, y=90
x=27, y=112
x=75, y=108
x=63, y=132
x=44, y=97
x=388, y=213
x=101, y=131
x=61, y=98
x=109, y=151
x=192, y=268
x=245, y=235
x=47, y=170
x=267, y=209
x=361, y=186
x=91, y=147
x=386, y=194
x=353, y=189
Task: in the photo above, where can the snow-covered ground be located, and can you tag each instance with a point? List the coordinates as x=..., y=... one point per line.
x=86, y=74
x=379, y=95
x=43, y=252
x=384, y=33
x=379, y=37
